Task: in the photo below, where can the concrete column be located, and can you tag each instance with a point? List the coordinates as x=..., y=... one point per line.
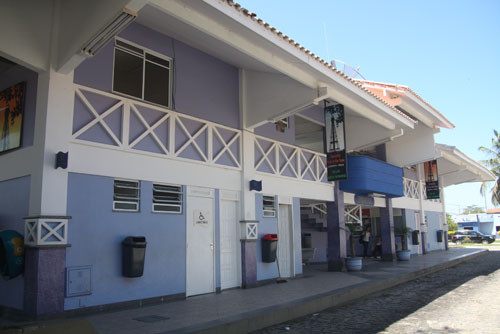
x=44, y=285
x=248, y=263
x=335, y=221
x=44, y=280
x=387, y=229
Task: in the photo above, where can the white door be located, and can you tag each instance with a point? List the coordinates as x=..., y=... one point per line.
x=229, y=240
x=285, y=241
x=200, y=241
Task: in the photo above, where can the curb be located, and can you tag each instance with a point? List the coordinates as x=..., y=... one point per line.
x=252, y=321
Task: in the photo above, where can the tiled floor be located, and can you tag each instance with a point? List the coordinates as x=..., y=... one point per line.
x=233, y=305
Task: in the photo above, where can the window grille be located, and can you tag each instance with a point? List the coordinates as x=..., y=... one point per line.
x=126, y=195
x=167, y=198
x=269, y=206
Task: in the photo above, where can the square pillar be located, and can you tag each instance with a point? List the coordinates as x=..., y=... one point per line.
x=46, y=240
x=44, y=280
x=248, y=263
x=335, y=221
x=387, y=229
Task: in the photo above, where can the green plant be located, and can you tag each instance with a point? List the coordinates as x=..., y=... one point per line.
x=353, y=230
x=494, y=164
x=404, y=232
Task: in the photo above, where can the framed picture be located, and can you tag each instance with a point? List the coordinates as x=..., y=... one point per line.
x=11, y=116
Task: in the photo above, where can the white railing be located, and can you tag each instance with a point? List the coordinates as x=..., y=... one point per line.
x=353, y=214
x=316, y=208
x=411, y=188
x=134, y=126
x=280, y=159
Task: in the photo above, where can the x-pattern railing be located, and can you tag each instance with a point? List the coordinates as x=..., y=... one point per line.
x=353, y=214
x=411, y=188
x=170, y=146
x=279, y=158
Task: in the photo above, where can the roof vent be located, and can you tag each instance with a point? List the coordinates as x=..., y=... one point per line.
x=120, y=22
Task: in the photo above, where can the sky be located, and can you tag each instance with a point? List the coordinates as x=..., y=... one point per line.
x=448, y=52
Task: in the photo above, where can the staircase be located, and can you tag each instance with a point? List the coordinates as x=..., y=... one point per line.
x=311, y=218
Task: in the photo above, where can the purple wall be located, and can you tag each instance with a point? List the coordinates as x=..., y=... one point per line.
x=204, y=86
x=409, y=174
x=269, y=131
x=16, y=75
x=14, y=205
x=314, y=112
x=96, y=233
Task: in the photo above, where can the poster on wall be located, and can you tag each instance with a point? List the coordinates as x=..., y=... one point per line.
x=11, y=116
x=431, y=179
x=335, y=147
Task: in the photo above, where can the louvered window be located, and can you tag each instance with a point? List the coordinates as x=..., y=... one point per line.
x=126, y=195
x=167, y=198
x=269, y=206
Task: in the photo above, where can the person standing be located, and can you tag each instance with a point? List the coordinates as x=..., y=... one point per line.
x=365, y=235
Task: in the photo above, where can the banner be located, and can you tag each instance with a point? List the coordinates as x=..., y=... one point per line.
x=335, y=147
x=431, y=179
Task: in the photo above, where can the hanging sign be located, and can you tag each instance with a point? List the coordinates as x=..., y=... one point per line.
x=431, y=179
x=335, y=143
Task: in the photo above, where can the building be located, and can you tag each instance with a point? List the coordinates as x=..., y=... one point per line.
x=486, y=223
x=152, y=119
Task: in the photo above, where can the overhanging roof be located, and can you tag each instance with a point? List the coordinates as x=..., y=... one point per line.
x=235, y=35
x=406, y=99
x=455, y=167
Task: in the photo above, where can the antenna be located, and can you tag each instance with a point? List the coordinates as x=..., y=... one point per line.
x=326, y=40
x=347, y=69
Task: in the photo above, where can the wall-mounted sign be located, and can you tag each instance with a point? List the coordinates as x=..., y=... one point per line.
x=201, y=217
x=335, y=147
x=11, y=116
x=364, y=200
x=431, y=179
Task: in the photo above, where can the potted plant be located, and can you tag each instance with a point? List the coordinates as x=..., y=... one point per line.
x=353, y=262
x=404, y=254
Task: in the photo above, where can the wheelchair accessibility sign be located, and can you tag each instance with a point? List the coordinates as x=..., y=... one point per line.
x=201, y=217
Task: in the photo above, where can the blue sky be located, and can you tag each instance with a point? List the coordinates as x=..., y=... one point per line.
x=448, y=52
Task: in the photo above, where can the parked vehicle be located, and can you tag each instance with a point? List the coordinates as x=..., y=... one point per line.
x=475, y=236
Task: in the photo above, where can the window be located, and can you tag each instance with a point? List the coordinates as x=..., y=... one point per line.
x=126, y=195
x=269, y=206
x=167, y=198
x=142, y=74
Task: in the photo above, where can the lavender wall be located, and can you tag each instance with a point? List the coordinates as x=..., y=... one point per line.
x=268, y=130
x=314, y=112
x=433, y=225
x=96, y=233
x=204, y=86
x=16, y=75
x=14, y=205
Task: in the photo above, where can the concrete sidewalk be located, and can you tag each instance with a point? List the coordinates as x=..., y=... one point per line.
x=246, y=310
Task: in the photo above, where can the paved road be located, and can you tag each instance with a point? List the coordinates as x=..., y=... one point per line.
x=461, y=299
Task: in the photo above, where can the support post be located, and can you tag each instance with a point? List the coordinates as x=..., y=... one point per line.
x=387, y=229
x=335, y=218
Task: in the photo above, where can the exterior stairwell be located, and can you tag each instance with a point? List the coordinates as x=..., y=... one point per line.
x=312, y=219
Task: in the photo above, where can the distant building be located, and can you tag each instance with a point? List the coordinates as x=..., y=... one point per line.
x=487, y=223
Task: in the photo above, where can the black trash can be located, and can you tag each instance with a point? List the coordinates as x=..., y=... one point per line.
x=306, y=240
x=439, y=235
x=269, y=246
x=414, y=237
x=133, y=253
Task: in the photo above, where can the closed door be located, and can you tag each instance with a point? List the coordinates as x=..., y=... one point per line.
x=284, y=241
x=200, y=242
x=229, y=243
